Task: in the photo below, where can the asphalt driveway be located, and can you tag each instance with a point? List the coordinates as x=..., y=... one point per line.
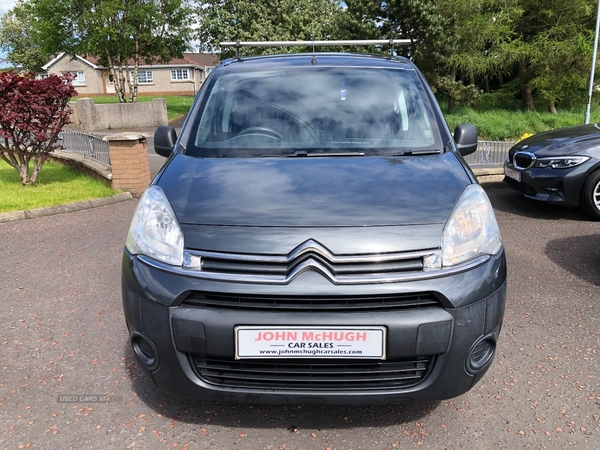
x=68, y=378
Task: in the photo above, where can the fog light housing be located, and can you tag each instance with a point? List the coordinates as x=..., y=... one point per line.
x=145, y=350
x=481, y=354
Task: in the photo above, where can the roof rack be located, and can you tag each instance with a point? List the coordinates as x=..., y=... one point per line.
x=390, y=42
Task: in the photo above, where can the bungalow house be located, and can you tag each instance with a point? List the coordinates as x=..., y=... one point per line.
x=180, y=76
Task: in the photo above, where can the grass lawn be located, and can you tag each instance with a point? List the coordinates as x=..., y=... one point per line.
x=177, y=105
x=508, y=122
x=501, y=125
x=56, y=185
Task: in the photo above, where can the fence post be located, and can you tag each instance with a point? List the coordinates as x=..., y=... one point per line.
x=129, y=161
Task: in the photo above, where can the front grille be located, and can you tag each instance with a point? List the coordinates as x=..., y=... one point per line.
x=523, y=160
x=392, y=302
x=312, y=374
x=312, y=256
x=220, y=264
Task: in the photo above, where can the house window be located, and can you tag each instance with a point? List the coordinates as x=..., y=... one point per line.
x=144, y=77
x=79, y=77
x=180, y=74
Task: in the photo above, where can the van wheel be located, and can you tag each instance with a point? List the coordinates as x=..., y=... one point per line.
x=590, y=195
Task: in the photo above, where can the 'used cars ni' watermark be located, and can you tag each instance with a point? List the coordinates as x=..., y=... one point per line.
x=90, y=398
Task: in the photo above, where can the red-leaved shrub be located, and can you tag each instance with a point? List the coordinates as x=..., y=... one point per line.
x=32, y=114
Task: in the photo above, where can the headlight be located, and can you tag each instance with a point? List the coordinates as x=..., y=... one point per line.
x=471, y=229
x=561, y=162
x=154, y=229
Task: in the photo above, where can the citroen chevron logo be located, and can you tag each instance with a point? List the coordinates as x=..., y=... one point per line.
x=311, y=247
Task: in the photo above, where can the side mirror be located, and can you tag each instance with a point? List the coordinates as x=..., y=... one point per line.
x=465, y=136
x=164, y=140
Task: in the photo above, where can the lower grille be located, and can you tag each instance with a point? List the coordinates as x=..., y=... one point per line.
x=519, y=186
x=316, y=375
x=312, y=304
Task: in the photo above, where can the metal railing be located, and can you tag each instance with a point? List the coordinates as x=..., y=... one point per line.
x=489, y=154
x=85, y=144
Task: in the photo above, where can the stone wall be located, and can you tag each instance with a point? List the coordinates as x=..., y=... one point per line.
x=89, y=166
x=88, y=117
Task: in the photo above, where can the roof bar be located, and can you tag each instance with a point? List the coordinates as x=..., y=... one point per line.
x=238, y=44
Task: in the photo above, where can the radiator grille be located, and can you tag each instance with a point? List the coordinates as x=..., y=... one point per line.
x=222, y=265
x=523, y=160
x=312, y=256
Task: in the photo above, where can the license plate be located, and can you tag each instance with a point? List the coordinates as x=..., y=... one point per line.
x=511, y=173
x=309, y=342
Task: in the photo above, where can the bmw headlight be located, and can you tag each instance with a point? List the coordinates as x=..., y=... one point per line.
x=471, y=230
x=154, y=229
x=561, y=162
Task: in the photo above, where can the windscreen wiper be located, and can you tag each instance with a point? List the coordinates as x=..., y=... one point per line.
x=412, y=152
x=304, y=153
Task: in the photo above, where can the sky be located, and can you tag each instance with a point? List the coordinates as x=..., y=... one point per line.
x=5, y=5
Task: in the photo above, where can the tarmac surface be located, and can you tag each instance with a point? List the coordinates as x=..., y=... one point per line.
x=68, y=378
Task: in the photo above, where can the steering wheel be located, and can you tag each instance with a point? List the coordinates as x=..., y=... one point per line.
x=262, y=131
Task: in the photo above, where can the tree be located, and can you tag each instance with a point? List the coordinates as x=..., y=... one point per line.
x=32, y=114
x=264, y=20
x=119, y=33
x=553, y=49
x=481, y=28
x=421, y=21
x=543, y=48
x=16, y=39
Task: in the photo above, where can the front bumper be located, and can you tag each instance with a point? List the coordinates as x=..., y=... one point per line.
x=555, y=186
x=188, y=349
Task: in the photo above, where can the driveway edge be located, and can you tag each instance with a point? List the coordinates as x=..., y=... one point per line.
x=489, y=176
x=61, y=209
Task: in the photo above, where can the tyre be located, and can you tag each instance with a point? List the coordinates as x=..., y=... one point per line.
x=590, y=195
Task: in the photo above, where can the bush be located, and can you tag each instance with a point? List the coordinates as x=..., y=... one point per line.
x=32, y=113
